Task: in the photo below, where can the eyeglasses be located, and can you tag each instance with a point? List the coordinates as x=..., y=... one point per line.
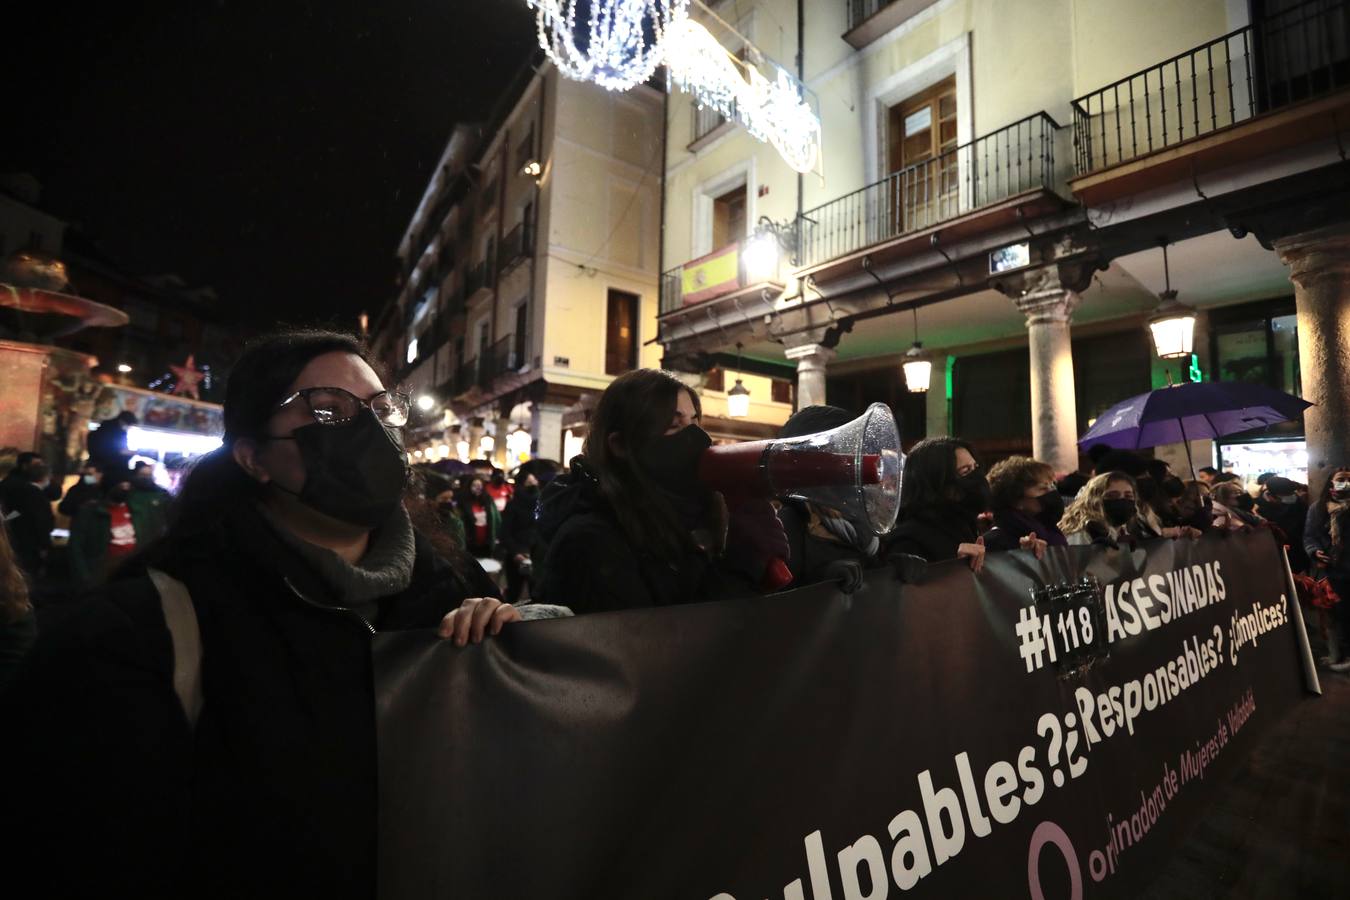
x=334, y=406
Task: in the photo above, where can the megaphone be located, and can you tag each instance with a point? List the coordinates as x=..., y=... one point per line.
x=854, y=469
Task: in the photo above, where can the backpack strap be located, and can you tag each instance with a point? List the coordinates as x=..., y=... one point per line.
x=181, y=619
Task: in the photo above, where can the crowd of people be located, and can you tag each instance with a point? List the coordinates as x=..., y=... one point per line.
x=211, y=700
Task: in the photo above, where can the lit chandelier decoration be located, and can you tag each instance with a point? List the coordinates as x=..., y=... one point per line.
x=626, y=40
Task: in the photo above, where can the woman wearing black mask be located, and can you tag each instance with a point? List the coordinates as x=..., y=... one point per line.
x=209, y=718
x=1325, y=537
x=630, y=525
x=942, y=495
x=1105, y=512
x=1027, y=506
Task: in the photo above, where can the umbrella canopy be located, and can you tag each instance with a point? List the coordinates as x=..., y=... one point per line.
x=1188, y=412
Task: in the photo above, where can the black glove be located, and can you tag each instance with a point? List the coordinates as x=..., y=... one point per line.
x=848, y=573
x=754, y=537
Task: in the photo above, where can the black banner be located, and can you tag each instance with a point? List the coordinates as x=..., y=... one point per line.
x=1055, y=725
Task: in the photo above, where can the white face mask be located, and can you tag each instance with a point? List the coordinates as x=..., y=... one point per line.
x=1339, y=486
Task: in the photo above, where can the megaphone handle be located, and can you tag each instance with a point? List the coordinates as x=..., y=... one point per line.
x=777, y=576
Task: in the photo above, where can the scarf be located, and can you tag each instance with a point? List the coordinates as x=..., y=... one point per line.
x=839, y=529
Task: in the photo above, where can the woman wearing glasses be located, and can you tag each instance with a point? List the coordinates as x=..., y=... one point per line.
x=206, y=724
x=942, y=495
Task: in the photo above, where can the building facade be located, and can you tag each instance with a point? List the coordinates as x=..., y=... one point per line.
x=998, y=181
x=529, y=275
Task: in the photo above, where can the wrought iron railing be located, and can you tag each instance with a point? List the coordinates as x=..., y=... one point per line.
x=706, y=121
x=498, y=359
x=1290, y=55
x=860, y=11
x=517, y=244
x=981, y=172
x=477, y=279
x=673, y=281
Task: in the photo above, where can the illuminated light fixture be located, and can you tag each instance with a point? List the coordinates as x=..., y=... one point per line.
x=573, y=444
x=517, y=446
x=443, y=451
x=486, y=444
x=412, y=351
x=776, y=112
x=417, y=453
x=738, y=398
x=123, y=368
x=425, y=402
x=1173, y=322
x=620, y=44
x=139, y=438
x=532, y=168
x=462, y=450
x=918, y=368
x=760, y=254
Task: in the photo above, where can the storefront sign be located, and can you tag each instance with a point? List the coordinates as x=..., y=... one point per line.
x=1043, y=729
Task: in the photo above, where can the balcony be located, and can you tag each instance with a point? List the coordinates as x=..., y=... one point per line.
x=999, y=166
x=478, y=281
x=708, y=123
x=727, y=273
x=870, y=19
x=1198, y=97
x=517, y=245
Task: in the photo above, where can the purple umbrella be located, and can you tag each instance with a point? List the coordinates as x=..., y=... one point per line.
x=1188, y=412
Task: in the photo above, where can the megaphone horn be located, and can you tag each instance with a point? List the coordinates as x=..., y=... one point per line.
x=854, y=468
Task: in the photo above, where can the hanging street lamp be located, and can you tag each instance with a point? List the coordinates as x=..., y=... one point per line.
x=738, y=398
x=1173, y=322
x=918, y=368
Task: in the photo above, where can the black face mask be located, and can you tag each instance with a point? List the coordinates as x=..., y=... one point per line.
x=354, y=472
x=975, y=494
x=1052, y=509
x=498, y=480
x=1119, y=511
x=145, y=482
x=1173, y=486
x=1245, y=502
x=117, y=495
x=672, y=459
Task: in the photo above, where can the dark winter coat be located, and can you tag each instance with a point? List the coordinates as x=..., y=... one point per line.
x=30, y=531
x=1317, y=536
x=813, y=557
x=274, y=791
x=932, y=533
x=591, y=565
x=518, y=523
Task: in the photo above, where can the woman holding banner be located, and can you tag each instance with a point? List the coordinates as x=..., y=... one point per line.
x=942, y=495
x=630, y=525
x=205, y=725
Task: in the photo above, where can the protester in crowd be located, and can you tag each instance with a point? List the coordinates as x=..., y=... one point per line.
x=1281, y=506
x=480, y=517
x=1324, y=539
x=107, y=445
x=1207, y=474
x=107, y=532
x=824, y=544
x=447, y=512
x=499, y=489
x=1105, y=512
x=1027, y=506
x=207, y=721
x=517, y=536
x=1228, y=512
x=942, y=494
x=149, y=502
x=630, y=525
x=89, y=489
x=1195, y=508
x=18, y=624
x=27, y=512
x=1163, y=489
x=1072, y=483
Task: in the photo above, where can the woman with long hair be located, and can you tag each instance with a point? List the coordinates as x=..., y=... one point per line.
x=18, y=625
x=942, y=494
x=1324, y=537
x=478, y=512
x=1105, y=512
x=631, y=526
x=208, y=718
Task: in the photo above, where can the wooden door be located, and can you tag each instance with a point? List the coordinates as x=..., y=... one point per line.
x=621, y=333
x=921, y=139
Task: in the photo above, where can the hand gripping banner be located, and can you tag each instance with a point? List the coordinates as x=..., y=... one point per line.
x=1043, y=729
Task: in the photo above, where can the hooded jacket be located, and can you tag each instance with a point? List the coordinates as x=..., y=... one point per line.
x=591, y=565
x=273, y=792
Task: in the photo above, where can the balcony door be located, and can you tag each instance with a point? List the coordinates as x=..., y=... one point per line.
x=923, y=187
x=728, y=217
x=621, y=337
x=520, y=340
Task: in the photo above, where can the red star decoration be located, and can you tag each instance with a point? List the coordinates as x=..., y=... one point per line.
x=188, y=379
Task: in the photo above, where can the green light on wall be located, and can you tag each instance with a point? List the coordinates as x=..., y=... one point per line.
x=1194, y=373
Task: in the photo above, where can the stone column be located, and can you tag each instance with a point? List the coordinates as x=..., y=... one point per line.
x=503, y=428
x=546, y=430
x=1054, y=411
x=811, y=362
x=475, y=438
x=1319, y=266
x=935, y=404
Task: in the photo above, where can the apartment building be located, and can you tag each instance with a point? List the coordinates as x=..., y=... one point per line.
x=998, y=182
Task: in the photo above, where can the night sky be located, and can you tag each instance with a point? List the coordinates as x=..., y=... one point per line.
x=275, y=150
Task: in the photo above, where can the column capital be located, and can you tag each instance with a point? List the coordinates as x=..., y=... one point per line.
x=1317, y=253
x=818, y=353
x=1048, y=304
